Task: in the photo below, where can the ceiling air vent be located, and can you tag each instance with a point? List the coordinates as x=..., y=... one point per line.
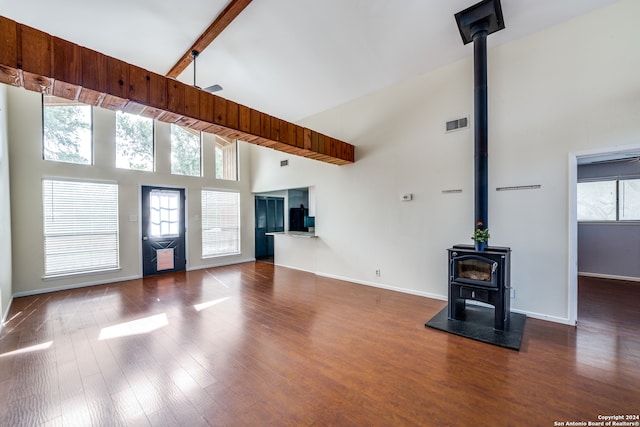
x=457, y=124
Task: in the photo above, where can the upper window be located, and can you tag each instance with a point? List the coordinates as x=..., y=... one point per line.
x=185, y=151
x=220, y=223
x=66, y=129
x=615, y=200
x=226, y=158
x=80, y=226
x=134, y=142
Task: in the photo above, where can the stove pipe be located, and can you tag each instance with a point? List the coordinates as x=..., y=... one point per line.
x=481, y=126
x=475, y=24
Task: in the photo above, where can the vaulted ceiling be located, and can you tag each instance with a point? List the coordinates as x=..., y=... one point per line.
x=289, y=58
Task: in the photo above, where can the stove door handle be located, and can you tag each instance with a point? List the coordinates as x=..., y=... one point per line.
x=494, y=267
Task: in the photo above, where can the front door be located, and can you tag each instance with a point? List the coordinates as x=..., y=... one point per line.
x=163, y=230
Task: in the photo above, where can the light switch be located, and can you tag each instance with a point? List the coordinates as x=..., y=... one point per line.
x=133, y=218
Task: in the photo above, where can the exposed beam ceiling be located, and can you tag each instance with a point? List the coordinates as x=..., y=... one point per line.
x=229, y=13
x=43, y=63
x=292, y=58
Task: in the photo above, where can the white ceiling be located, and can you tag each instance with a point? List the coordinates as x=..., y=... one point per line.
x=288, y=58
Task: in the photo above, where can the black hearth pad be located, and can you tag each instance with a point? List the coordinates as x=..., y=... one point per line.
x=479, y=326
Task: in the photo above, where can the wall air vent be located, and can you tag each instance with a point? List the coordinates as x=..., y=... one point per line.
x=457, y=124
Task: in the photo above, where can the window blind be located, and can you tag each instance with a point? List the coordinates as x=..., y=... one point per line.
x=220, y=223
x=80, y=226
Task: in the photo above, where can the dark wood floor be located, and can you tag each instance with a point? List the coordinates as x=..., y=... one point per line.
x=255, y=345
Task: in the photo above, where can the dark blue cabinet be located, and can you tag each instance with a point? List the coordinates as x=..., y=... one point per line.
x=269, y=219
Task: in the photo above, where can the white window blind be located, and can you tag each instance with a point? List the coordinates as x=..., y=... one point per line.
x=80, y=226
x=220, y=223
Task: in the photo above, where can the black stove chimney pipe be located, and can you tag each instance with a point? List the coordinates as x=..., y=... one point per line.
x=475, y=24
x=481, y=125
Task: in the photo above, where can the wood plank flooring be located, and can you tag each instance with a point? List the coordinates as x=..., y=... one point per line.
x=256, y=344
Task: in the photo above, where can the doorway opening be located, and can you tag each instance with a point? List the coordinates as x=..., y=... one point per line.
x=603, y=261
x=163, y=230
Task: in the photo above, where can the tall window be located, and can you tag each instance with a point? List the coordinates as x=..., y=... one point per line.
x=615, y=200
x=220, y=223
x=134, y=142
x=185, y=151
x=226, y=158
x=66, y=127
x=80, y=226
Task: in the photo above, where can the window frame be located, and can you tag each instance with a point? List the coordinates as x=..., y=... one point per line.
x=235, y=144
x=153, y=143
x=69, y=103
x=201, y=140
x=617, y=219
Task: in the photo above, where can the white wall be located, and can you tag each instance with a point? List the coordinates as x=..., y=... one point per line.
x=5, y=210
x=572, y=87
x=28, y=169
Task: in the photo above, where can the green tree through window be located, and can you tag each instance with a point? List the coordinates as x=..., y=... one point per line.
x=66, y=131
x=134, y=142
x=185, y=151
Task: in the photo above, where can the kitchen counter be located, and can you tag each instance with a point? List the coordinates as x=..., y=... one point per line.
x=311, y=234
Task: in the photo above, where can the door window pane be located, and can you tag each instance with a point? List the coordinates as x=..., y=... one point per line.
x=185, y=151
x=630, y=199
x=597, y=201
x=164, y=213
x=134, y=142
x=66, y=131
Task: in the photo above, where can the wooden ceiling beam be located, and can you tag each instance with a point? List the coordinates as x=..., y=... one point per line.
x=229, y=13
x=39, y=62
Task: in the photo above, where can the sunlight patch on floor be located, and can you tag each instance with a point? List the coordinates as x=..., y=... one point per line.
x=37, y=347
x=204, y=305
x=134, y=327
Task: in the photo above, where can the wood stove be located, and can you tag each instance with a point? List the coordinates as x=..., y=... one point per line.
x=483, y=276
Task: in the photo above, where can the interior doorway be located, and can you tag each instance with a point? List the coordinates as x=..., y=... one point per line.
x=577, y=237
x=163, y=230
x=269, y=213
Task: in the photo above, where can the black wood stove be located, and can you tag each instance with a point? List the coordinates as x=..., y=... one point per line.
x=482, y=276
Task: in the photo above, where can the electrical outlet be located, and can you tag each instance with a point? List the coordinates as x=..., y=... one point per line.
x=378, y=273
x=513, y=292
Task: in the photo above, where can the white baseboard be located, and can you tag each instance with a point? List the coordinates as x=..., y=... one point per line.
x=554, y=319
x=295, y=268
x=534, y=315
x=74, y=286
x=104, y=282
x=609, y=276
x=221, y=264
x=383, y=286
